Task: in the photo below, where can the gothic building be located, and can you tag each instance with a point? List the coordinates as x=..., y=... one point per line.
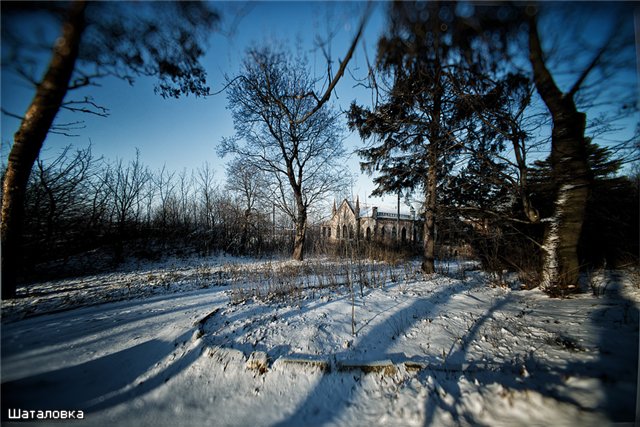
x=350, y=221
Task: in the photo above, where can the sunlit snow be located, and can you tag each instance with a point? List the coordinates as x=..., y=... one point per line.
x=234, y=342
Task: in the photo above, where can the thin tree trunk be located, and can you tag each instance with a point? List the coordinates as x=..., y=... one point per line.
x=435, y=139
x=519, y=151
x=428, y=265
x=244, y=236
x=301, y=230
x=29, y=140
x=570, y=174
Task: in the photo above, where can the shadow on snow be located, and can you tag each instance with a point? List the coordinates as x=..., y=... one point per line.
x=616, y=366
x=100, y=383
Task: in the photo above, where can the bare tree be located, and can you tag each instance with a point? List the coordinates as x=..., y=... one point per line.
x=185, y=187
x=57, y=203
x=61, y=181
x=280, y=130
x=250, y=186
x=126, y=184
x=205, y=180
x=165, y=185
x=97, y=198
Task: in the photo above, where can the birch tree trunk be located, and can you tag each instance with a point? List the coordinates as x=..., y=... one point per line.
x=29, y=140
x=570, y=174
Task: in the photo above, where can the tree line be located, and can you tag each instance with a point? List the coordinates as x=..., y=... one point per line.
x=76, y=203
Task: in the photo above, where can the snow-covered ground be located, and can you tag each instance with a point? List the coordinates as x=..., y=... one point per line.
x=266, y=343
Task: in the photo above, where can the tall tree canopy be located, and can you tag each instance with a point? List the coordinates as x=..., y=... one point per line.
x=433, y=54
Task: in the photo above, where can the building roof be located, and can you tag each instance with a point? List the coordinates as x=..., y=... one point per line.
x=384, y=212
x=366, y=211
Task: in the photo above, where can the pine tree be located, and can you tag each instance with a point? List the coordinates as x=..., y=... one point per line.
x=433, y=55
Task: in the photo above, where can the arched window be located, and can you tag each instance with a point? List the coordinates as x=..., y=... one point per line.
x=351, y=231
x=394, y=233
x=404, y=234
x=338, y=232
x=344, y=231
x=382, y=232
x=368, y=233
x=328, y=231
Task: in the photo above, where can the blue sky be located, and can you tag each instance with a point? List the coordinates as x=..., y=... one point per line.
x=184, y=133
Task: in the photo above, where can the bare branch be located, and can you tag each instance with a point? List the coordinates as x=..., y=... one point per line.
x=7, y=113
x=591, y=66
x=343, y=66
x=97, y=109
x=65, y=128
x=229, y=83
x=86, y=80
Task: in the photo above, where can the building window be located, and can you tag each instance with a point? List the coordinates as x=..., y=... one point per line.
x=351, y=231
x=368, y=233
x=328, y=231
x=404, y=234
x=344, y=231
x=338, y=232
x=382, y=232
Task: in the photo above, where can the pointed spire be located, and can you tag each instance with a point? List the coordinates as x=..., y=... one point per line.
x=357, y=206
x=333, y=212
